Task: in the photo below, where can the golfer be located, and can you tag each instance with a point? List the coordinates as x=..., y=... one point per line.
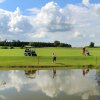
x=53, y=57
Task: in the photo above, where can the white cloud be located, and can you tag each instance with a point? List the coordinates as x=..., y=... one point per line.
x=53, y=22
x=52, y=18
x=74, y=83
x=40, y=35
x=71, y=82
x=77, y=34
x=2, y=97
x=15, y=81
x=92, y=35
x=12, y=23
x=34, y=10
x=85, y=2
x=1, y=1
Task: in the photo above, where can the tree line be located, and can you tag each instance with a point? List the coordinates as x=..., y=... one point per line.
x=18, y=43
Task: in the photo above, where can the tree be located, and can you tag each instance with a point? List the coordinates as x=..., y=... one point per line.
x=18, y=43
x=56, y=43
x=91, y=44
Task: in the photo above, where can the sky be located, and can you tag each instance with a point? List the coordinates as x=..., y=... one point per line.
x=70, y=21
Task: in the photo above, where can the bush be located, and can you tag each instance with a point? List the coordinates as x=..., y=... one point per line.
x=4, y=47
x=22, y=47
x=11, y=47
x=91, y=44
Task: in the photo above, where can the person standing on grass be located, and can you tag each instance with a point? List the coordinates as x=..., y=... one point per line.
x=84, y=51
x=53, y=57
x=87, y=53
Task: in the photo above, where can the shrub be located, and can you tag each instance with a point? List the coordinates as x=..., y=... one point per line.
x=91, y=44
x=4, y=47
x=22, y=47
x=11, y=47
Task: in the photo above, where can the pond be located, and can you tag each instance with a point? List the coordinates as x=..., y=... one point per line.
x=70, y=84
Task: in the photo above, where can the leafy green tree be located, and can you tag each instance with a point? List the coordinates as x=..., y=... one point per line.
x=56, y=43
x=91, y=44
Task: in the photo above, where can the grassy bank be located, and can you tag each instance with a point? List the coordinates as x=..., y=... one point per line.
x=65, y=57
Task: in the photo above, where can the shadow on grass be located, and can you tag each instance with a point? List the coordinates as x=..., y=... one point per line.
x=62, y=64
x=55, y=66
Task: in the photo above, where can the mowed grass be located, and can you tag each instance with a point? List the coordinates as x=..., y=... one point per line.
x=48, y=52
x=65, y=56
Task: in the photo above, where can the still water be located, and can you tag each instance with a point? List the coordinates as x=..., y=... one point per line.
x=71, y=84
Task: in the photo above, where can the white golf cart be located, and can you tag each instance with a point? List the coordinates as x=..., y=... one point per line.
x=30, y=51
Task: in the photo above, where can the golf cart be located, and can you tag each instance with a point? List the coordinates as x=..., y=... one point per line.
x=30, y=73
x=29, y=51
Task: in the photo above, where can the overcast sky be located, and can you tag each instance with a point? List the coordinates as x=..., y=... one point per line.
x=76, y=22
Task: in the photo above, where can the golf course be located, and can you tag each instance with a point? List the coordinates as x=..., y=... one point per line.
x=65, y=57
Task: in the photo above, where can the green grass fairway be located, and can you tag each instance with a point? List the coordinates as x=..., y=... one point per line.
x=65, y=57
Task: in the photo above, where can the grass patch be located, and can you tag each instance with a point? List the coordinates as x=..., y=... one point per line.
x=65, y=57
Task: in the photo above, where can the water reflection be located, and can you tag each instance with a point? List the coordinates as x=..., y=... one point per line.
x=85, y=71
x=98, y=77
x=47, y=84
x=30, y=73
x=54, y=73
